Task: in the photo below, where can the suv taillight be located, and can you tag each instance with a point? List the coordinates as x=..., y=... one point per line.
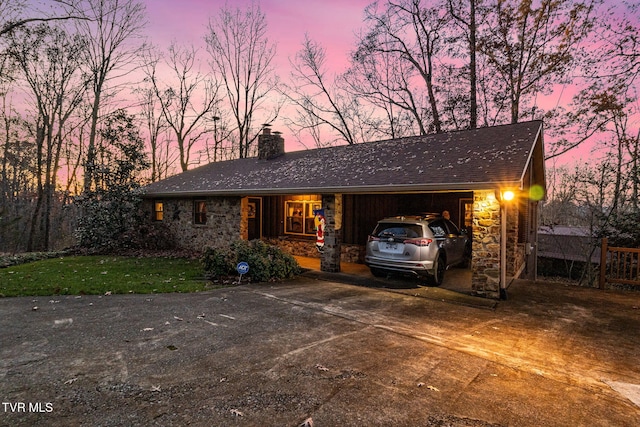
x=418, y=242
x=373, y=238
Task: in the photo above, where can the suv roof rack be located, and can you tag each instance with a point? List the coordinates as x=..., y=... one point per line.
x=419, y=216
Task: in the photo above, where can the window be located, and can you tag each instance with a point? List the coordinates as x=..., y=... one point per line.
x=158, y=210
x=453, y=229
x=438, y=228
x=199, y=212
x=299, y=218
x=403, y=231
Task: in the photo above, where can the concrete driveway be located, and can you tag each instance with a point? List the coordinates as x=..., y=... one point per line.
x=312, y=351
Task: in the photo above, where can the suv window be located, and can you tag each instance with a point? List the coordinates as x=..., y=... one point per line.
x=438, y=228
x=453, y=229
x=403, y=231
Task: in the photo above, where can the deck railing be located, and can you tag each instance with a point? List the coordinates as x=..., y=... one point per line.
x=619, y=265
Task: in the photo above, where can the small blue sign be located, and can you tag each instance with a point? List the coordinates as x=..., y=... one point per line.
x=242, y=267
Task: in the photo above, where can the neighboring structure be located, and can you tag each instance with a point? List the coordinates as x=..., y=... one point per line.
x=273, y=196
x=566, y=251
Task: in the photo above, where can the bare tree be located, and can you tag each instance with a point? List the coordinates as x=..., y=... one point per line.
x=242, y=56
x=318, y=100
x=49, y=62
x=109, y=28
x=11, y=11
x=387, y=83
x=179, y=100
x=155, y=123
x=467, y=21
x=529, y=47
x=218, y=147
x=413, y=34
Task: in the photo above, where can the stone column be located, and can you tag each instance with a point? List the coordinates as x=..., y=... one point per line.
x=485, y=279
x=330, y=257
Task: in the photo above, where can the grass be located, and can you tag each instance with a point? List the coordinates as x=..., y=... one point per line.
x=97, y=275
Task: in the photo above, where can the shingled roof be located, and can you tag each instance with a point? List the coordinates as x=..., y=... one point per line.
x=484, y=158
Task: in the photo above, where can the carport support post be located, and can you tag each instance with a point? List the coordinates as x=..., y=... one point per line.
x=330, y=257
x=503, y=250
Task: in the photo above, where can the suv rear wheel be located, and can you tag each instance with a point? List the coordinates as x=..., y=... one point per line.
x=438, y=272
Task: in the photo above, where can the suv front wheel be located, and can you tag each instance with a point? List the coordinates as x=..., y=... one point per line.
x=438, y=272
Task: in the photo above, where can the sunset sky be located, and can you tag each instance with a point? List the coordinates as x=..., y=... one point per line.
x=332, y=23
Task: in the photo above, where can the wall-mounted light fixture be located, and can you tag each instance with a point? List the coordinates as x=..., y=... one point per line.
x=508, y=195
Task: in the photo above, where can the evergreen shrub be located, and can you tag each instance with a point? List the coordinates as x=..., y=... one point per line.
x=266, y=262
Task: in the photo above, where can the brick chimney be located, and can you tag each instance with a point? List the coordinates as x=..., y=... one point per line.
x=270, y=145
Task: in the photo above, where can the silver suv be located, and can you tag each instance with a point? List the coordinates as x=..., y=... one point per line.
x=424, y=245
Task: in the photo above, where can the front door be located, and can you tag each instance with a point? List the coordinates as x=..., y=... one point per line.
x=254, y=219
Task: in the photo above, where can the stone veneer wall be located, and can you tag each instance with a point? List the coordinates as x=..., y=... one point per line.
x=485, y=265
x=307, y=248
x=294, y=246
x=227, y=222
x=330, y=259
x=223, y=225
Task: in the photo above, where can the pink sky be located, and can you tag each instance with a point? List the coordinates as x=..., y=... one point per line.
x=333, y=23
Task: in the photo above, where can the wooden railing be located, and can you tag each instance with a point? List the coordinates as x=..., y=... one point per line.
x=619, y=265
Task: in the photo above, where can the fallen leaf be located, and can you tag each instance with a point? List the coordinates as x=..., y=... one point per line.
x=155, y=388
x=321, y=368
x=178, y=318
x=236, y=413
x=71, y=381
x=307, y=423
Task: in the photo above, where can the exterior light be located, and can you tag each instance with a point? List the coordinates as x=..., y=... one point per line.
x=508, y=195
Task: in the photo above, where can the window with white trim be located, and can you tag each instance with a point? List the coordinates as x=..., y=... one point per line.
x=299, y=218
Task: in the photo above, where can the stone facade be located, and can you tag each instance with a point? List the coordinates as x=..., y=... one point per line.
x=330, y=259
x=352, y=253
x=227, y=221
x=223, y=225
x=295, y=246
x=486, y=244
x=485, y=263
x=307, y=248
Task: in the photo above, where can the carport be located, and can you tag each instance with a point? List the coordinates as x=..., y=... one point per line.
x=457, y=279
x=489, y=179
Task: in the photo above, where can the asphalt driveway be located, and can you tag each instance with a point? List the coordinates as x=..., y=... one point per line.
x=323, y=353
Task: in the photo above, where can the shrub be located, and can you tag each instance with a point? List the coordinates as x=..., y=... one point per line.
x=110, y=213
x=24, y=258
x=265, y=262
x=216, y=263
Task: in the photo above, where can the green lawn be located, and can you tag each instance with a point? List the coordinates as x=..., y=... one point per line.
x=97, y=275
